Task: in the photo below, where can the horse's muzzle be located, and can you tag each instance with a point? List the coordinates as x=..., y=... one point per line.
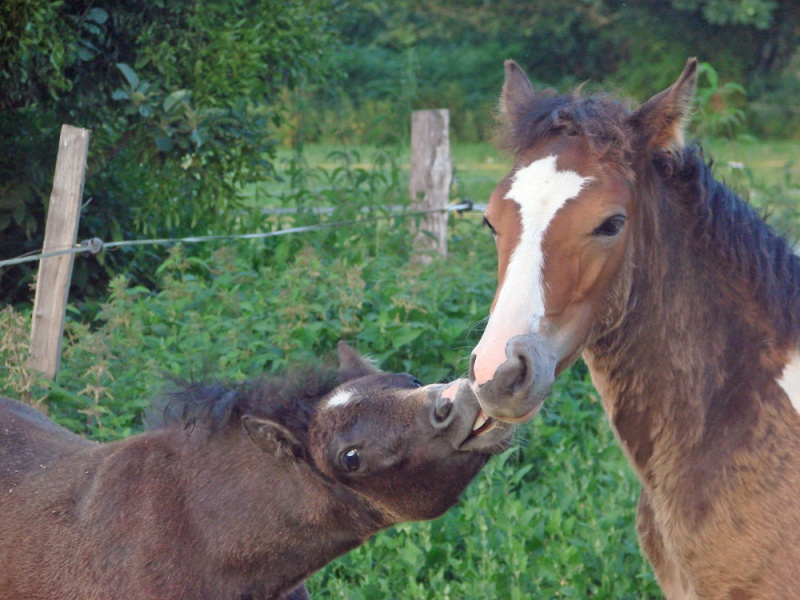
x=517, y=390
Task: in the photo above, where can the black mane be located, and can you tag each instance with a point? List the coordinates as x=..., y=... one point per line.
x=217, y=406
x=730, y=227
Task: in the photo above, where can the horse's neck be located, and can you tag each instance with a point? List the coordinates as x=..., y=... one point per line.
x=692, y=357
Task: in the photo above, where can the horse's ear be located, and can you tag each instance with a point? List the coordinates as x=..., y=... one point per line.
x=662, y=120
x=272, y=437
x=352, y=364
x=517, y=92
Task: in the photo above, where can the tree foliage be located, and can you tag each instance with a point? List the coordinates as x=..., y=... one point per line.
x=181, y=98
x=447, y=53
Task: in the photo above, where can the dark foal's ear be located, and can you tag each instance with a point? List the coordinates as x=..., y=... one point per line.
x=662, y=120
x=273, y=438
x=352, y=365
x=517, y=92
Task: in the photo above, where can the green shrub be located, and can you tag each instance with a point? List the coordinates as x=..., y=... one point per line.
x=719, y=104
x=182, y=99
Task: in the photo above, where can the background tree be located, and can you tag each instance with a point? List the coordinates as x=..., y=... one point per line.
x=414, y=54
x=181, y=98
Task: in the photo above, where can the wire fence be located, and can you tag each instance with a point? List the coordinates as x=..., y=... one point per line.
x=96, y=245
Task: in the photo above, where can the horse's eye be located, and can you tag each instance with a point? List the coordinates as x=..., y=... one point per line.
x=489, y=225
x=611, y=226
x=416, y=382
x=350, y=459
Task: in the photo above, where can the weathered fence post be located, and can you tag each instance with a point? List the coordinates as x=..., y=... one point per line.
x=431, y=175
x=61, y=231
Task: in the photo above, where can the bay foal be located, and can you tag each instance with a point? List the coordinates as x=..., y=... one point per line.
x=615, y=242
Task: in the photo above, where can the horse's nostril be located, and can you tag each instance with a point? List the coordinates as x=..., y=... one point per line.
x=525, y=368
x=521, y=371
x=442, y=410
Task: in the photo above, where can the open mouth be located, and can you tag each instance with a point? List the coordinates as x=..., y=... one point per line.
x=483, y=424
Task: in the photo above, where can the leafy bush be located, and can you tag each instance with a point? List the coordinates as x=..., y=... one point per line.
x=774, y=113
x=400, y=56
x=181, y=97
x=719, y=104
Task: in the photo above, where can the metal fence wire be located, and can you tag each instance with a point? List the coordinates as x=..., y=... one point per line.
x=96, y=245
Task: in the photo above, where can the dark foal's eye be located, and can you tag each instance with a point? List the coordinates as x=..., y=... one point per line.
x=416, y=382
x=489, y=225
x=350, y=459
x=610, y=227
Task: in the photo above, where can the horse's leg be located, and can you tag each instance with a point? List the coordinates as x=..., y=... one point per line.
x=298, y=593
x=673, y=583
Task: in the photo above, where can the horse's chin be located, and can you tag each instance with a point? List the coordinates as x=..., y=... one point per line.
x=516, y=411
x=527, y=416
x=511, y=418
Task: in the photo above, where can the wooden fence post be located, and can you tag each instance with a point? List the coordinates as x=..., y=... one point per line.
x=61, y=232
x=431, y=175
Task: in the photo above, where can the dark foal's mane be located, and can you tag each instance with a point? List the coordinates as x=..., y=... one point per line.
x=217, y=406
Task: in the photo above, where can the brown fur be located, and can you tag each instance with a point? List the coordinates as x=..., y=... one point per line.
x=686, y=320
x=240, y=493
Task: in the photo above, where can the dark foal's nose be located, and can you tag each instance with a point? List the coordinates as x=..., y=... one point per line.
x=442, y=413
x=518, y=387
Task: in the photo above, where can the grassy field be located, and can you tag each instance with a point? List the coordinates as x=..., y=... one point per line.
x=477, y=167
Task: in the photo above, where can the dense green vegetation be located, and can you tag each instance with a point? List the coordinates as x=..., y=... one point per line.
x=408, y=54
x=182, y=99
x=204, y=113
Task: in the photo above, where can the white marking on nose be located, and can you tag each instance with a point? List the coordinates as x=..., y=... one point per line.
x=540, y=190
x=450, y=392
x=790, y=380
x=340, y=398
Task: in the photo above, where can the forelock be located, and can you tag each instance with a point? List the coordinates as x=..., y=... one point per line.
x=601, y=120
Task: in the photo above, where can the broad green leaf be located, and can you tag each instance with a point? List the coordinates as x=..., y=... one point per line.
x=175, y=98
x=129, y=74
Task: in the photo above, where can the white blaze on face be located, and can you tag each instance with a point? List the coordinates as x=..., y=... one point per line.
x=790, y=380
x=340, y=398
x=540, y=190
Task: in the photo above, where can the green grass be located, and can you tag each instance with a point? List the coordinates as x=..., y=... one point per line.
x=773, y=163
